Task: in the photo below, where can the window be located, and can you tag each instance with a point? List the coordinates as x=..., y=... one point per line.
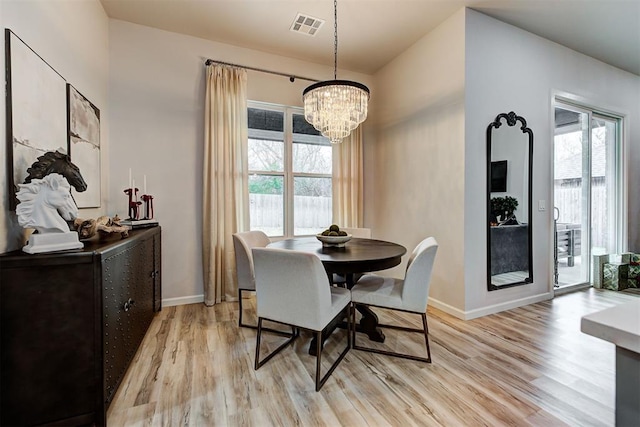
x=290, y=167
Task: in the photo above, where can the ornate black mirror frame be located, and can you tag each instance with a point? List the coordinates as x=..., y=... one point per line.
x=511, y=119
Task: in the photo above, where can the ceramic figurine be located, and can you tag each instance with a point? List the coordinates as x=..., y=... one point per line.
x=46, y=204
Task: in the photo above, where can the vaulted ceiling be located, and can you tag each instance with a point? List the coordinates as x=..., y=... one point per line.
x=373, y=32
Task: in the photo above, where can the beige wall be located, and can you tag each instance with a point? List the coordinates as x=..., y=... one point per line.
x=72, y=36
x=156, y=94
x=415, y=184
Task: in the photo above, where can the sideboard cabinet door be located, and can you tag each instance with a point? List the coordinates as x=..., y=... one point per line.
x=157, y=272
x=128, y=304
x=49, y=351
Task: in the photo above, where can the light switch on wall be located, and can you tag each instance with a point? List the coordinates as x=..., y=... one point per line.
x=542, y=205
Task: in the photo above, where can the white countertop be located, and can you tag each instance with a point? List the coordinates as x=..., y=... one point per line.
x=619, y=325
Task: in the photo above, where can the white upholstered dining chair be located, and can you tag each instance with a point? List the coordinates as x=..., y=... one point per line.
x=292, y=288
x=410, y=294
x=242, y=245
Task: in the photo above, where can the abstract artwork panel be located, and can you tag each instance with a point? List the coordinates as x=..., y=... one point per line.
x=84, y=146
x=36, y=113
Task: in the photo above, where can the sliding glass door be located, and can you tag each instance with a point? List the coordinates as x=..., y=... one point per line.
x=587, y=197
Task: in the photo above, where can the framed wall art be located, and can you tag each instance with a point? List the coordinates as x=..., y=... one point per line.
x=84, y=145
x=35, y=110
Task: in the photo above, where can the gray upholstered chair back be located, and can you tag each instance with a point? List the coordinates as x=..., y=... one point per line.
x=242, y=245
x=292, y=288
x=417, y=280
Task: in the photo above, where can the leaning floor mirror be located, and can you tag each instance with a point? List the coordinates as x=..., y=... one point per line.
x=509, y=188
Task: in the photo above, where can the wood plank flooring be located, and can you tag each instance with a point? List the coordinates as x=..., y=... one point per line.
x=527, y=366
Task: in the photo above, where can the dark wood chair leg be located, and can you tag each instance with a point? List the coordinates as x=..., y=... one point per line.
x=258, y=362
x=320, y=382
x=353, y=325
x=424, y=331
x=318, y=358
x=258, y=336
x=426, y=335
x=240, y=309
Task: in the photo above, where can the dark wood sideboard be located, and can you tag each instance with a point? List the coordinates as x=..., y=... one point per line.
x=70, y=324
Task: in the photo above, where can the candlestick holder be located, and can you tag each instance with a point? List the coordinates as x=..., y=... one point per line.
x=136, y=208
x=134, y=204
x=148, y=206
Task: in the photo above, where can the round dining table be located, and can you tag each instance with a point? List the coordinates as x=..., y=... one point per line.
x=357, y=256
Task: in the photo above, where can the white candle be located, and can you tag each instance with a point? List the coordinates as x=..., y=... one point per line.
x=145, y=184
x=130, y=178
x=134, y=186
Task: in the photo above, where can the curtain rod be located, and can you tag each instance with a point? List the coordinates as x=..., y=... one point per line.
x=292, y=77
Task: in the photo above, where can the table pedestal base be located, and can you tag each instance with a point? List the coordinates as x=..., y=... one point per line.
x=369, y=324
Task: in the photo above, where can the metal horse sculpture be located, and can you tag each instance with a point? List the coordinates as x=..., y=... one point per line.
x=57, y=162
x=45, y=204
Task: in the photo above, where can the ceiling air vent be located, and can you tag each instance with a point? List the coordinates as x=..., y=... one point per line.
x=306, y=25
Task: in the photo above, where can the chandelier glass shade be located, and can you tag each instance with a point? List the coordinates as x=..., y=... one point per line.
x=336, y=107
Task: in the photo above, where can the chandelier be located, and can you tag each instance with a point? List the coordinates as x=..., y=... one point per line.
x=335, y=107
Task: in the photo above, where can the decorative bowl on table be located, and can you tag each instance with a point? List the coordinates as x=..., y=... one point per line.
x=333, y=241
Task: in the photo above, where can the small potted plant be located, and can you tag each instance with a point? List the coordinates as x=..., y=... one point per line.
x=510, y=204
x=504, y=207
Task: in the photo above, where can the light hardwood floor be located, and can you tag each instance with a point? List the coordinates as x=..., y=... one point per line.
x=527, y=366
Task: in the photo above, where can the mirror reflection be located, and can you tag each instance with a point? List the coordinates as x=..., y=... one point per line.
x=509, y=169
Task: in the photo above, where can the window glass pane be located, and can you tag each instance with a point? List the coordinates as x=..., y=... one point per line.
x=302, y=127
x=266, y=204
x=311, y=151
x=571, y=194
x=266, y=155
x=266, y=119
x=603, y=185
x=312, y=205
x=311, y=158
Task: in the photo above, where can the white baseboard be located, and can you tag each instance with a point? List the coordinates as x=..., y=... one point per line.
x=446, y=308
x=571, y=288
x=193, y=299
x=492, y=309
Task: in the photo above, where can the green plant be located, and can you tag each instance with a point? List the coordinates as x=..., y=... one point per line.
x=504, y=206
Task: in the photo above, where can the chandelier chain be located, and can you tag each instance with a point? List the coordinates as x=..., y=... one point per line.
x=335, y=39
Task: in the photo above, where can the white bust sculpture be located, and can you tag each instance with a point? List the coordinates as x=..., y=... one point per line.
x=45, y=204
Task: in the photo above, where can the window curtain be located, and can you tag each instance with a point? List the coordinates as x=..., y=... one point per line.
x=225, y=196
x=347, y=181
